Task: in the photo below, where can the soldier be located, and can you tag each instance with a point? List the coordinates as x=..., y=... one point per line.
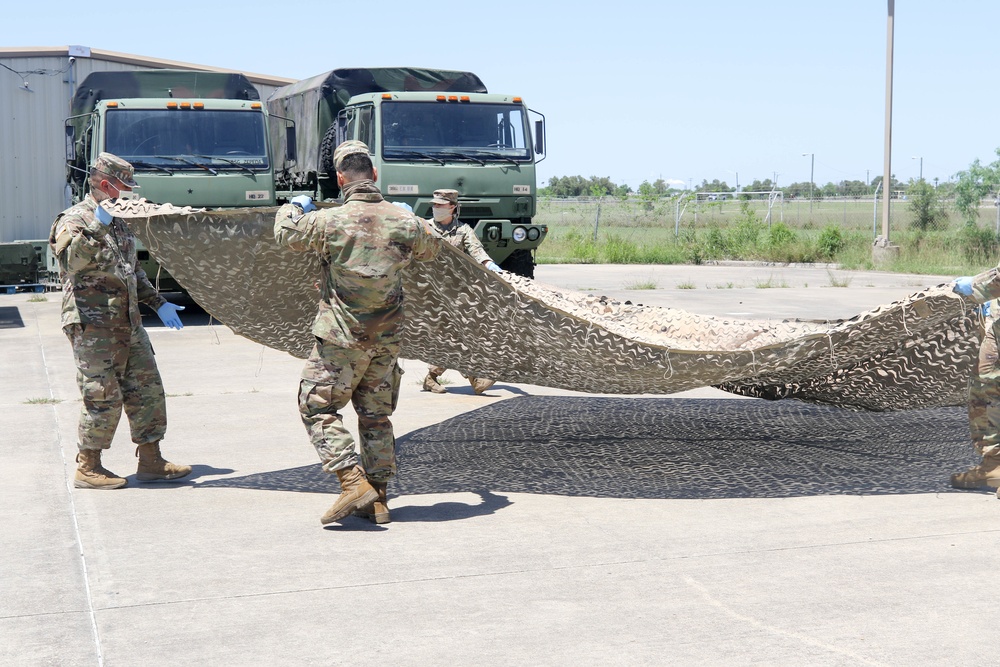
x=363, y=246
x=984, y=388
x=102, y=288
x=444, y=206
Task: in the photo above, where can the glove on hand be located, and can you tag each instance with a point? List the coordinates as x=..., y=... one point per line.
x=963, y=286
x=103, y=216
x=304, y=202
x=492, y=266
x=168, y=315
x=403, y=205
x=984, y=309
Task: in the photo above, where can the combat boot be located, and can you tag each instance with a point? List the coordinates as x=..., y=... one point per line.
x=431, y=384
x=154, y=468
x=986, y=473
x=378, y=511
x=479, y=385
x=90, y=474
x=355, y=493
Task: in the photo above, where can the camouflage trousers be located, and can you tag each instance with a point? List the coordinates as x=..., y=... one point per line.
x=369, y=379
x=115, y=369
x=984, y=394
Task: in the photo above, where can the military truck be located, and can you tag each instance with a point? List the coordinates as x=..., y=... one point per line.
x=427, y=129
x=195, y=138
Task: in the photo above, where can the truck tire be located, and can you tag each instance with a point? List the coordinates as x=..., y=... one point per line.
x=326, y=149
x=520, y=262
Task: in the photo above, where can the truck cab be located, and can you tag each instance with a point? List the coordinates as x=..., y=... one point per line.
x=476, y=143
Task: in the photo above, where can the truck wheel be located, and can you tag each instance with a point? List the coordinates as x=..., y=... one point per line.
x=520, y=262
x=326, y=149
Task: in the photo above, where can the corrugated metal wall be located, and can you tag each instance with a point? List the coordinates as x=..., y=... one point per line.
x=32, y=137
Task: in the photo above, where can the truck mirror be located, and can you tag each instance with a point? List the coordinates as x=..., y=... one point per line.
x=290, y=143
x=70, y=143
x=540, y=137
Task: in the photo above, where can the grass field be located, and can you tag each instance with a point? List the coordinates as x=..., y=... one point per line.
x=840, y=231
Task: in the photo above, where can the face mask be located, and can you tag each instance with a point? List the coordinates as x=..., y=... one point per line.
x=441, y=213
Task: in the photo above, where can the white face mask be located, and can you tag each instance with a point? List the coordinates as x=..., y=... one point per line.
x=442, y=213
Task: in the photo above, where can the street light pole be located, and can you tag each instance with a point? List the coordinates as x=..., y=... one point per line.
x=812, y=166
x=921, y=165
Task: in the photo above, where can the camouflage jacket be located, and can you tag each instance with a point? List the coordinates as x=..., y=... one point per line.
x=462, y=237
x=363, y=246
x=99, y=269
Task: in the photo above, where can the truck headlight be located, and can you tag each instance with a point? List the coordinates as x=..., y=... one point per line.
x=519, y=234
x=533, y=234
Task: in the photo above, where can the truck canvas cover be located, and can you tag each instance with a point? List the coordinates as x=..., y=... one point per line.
x=314, y=103
x=162, y=83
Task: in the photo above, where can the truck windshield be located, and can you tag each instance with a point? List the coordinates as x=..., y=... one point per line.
x=153, y=139
x=448, y=131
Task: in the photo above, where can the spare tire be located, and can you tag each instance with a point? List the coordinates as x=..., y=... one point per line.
x=326, y=149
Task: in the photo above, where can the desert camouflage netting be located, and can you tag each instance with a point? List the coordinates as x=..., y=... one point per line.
x=912, y=353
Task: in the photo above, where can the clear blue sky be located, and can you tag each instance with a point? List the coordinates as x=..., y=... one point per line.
x=630, y=90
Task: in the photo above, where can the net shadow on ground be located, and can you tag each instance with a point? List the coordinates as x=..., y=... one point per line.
x=665, y=448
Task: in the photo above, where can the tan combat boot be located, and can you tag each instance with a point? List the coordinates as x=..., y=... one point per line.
x=355, y=493
x=378, y=511
x=431, y=384
x=90, y=474
x=986, y=473
x=479, y=385
x=154, y=468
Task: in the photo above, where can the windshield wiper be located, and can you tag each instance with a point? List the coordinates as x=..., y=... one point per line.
x=463, y=156
x=228, y=161
x=187, y=161
x=149, y=165
x=497, y=156
x=404, y=153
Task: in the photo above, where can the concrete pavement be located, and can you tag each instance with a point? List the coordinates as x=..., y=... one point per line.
x=530, y=526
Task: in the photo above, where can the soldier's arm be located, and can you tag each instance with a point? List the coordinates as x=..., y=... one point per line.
x=144, y=289
x=426, y=244
x=299, y=231
x=76, y=246
x=473, y=246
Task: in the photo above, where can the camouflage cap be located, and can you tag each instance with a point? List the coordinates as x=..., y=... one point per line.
x=112, y=165
x=349, y=147
x=445, y=197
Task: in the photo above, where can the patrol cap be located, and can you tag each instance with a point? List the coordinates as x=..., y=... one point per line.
x=445, y=197
x=112, y=165
x=349, y=147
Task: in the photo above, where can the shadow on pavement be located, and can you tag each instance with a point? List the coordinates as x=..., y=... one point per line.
x=661, y=448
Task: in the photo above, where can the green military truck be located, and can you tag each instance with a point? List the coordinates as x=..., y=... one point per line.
x=195, y=139
x=427, y=129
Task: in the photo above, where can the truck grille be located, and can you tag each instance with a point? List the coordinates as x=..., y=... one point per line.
x=476, y=210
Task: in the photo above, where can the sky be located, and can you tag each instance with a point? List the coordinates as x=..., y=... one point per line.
x=634, y=91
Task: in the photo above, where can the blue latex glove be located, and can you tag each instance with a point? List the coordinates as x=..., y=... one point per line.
x=963, y=286
x=492, y=266
x=984, y=309
x=403, y=205
x=168, y=314
x=103, y=216
x=305, y=202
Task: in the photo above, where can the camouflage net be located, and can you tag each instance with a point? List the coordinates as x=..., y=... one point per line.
x=912, y=353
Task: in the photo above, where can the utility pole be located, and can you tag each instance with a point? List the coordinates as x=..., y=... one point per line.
x=887, y=166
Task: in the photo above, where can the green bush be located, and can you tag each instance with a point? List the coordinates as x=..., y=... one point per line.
x=830, y=242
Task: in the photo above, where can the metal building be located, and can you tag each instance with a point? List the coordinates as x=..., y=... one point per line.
x=36, y=92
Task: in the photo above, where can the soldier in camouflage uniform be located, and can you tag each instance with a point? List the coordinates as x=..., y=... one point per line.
x=363, y=246
x=102, y=288
x=444, y=206
x=984, y=386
